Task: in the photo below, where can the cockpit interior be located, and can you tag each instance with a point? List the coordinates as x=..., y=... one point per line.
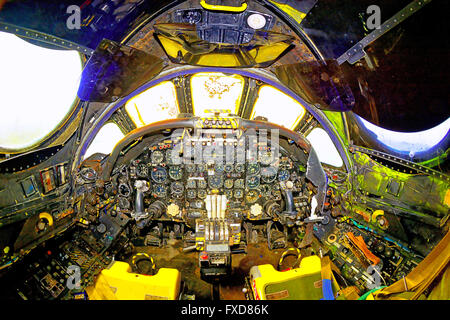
x=224, y=150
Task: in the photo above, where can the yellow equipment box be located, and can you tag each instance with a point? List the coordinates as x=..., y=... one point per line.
x=118, y=283
x=302, y=283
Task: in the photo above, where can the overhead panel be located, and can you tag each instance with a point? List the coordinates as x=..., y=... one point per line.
x=183, y=44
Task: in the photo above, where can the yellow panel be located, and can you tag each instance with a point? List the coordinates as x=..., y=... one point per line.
x=216, y=91
x=296, y=14
x=447, y=198
x=172, y=47
x=269, y=52
x=118, y=283
x=219, y=59
x=278, y=107
x=264, y=275
x=155, y=104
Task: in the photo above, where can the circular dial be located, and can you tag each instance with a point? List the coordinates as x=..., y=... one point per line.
x=268, y=174
x=283, y=175
x=252, y=196
x=238, y=193
x=215, y=181
x=160, y=190
x=201, y=168
x=190, y=184
x=252, y=182
x=228, y=168
x=88, y=174
x=239, y=168
x=190, y=168
x=228, y=183
x=253, y=168
x=256, y=21
x=229, y=193
x=124, y=190
x=159, y=174
x=265, y=190
x=190, y=194
x=201, y=183
x=142, y=170
x=239, y=184
x=176, y=172
x=218, y=168
x=157, y=157
x=123, y=203
x=176, y=188
x=201, y=194
x=265, y=157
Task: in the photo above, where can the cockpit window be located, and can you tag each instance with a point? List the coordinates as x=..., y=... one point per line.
x=278, y=107
x=105, y=140
x=410, y=142
x=38, y=87
x=324, y=147
x=216, y=91
x=155, y=104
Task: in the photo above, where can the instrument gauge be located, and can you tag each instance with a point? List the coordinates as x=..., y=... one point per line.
x=215, y=181
x=123, y=203
x=239, y=184
x=252, y=196
x=159, y=174
x=238, y=193
x=253, y=168
x=160, y=190
x=268, y=174
x=157, y=157
x=283, y=175
x=142, y=170
x=176, y=172
x=265, y=157
x=265, y=190
x=252, y=182
x=201, y=194
x=229, y=193
x=229, y=168
x=201, y=167
x=190, y=168
x=88, y=174
x=239, y=168
x=190, y=194
x=172, y=157
x=228, y=183
x=124, y=190
x=218, y=168
x=176, y=188
x=201, y=184
x=190, y=184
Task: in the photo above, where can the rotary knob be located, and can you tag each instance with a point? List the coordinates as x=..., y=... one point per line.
x=173, y=210
x=256, y=210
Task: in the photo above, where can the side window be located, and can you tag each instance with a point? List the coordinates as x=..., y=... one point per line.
x=324, y=147
x=105, y=140
x=410, y=142
x=155, y=104
x=38, y=87
x=278, y=107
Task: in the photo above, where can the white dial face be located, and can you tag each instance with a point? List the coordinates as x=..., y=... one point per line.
x=256, y=21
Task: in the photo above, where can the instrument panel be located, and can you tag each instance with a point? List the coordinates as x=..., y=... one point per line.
x=254, y=185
